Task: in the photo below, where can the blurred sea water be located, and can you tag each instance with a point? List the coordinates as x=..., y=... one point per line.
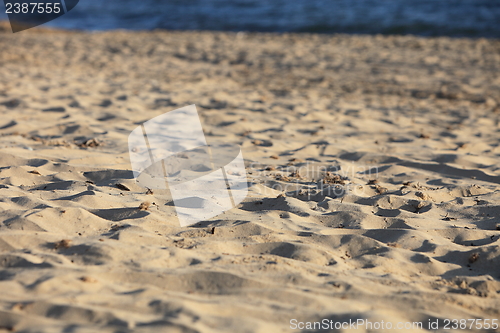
x=456, y=18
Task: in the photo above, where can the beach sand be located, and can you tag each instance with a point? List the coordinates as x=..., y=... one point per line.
x=407, y=127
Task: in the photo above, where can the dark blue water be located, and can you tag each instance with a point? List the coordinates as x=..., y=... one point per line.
x=470, y=18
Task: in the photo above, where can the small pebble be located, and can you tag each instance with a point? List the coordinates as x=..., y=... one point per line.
x=88, y=279
x=64, y=244
x=145, y=205
x=380, y=189
x=473, y=257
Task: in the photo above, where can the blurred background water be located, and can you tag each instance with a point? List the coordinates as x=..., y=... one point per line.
x=457, y=18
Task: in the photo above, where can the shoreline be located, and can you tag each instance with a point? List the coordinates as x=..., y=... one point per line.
x=5, y=27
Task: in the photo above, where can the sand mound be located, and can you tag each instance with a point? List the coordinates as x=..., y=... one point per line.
x=372, y=163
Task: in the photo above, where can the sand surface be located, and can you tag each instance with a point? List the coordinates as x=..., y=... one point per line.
x=405, y=227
